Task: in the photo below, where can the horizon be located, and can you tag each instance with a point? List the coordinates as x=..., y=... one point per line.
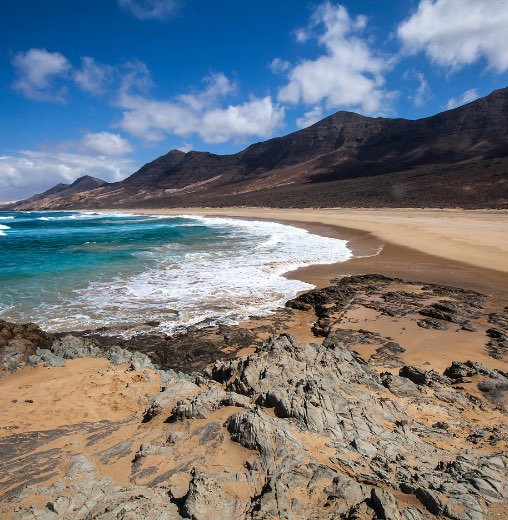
x=105, y=106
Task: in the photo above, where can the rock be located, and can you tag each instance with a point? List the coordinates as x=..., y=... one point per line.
x=47, y=357
x=430, y=323
x=207, y=500
x=458, y=370
x=385, y=505
x=345, y=493
x=497, y=334
x=165, y=402
x=495, y=389
x=84, y=494
x=417, y=376
x=18, y=343
x=463, y=507
x=430, y=499
x=72, y=347
x=399, y=386
x=206, y=402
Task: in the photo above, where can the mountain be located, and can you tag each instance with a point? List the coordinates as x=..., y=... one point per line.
x=455, y=158
x=62, y=191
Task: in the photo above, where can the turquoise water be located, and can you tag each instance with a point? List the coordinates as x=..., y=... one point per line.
x=69, y=270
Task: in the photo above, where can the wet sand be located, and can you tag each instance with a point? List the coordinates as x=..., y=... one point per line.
x=467, y=249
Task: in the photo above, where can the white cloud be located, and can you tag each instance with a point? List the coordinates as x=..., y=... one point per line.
x=278, y=65
x=36, y=71
x=149, y=9
x=186, y=147
x=422, y=93
x=348, y=74
x=200, y=113
x=258, y=117
x=31, y=172
x=105, y=143
x=455, y=33
x=310, y=117
x=467, y=97
x=93, y=77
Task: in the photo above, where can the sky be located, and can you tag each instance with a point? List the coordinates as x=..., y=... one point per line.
x=100, y=87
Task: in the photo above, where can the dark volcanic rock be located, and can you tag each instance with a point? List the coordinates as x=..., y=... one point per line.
x=18, y=343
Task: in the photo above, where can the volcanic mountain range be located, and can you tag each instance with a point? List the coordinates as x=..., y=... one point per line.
x=458, y=158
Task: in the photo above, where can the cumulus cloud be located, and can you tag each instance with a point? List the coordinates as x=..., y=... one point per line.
x=467, y=97
x=105, y=143
x=422, y=93
x=278, y=65
x=455, y=33
x=30, y=172
x=36, y=74
x=310, y=117
x=149, y=9
x=347, y=74
x=200, y=113
x=93, y=77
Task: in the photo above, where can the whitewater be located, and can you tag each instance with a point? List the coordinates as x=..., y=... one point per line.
x=84, y=270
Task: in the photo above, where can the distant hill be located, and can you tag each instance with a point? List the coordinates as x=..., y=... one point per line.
x=458, y=158
x=61, y=191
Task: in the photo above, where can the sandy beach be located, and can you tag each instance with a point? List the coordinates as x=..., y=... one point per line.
x=458, y=247
x=92, y=426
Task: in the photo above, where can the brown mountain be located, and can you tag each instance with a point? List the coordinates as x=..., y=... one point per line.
x=455, y=158
x=61, y=191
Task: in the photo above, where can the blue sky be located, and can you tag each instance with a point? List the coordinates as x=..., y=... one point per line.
x=103, y=86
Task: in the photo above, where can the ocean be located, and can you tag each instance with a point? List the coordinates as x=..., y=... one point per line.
x=86, y=270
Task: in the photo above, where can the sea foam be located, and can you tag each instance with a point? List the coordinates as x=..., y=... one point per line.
x=208, y=286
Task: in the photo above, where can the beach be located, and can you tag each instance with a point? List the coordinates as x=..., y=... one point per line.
x=463, y=247
x=406, y=370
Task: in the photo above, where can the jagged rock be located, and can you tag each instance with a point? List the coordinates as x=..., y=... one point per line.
x=458, y=370
x=430, y=323
x=430, y=499
x=345, y=493
x=385, y=505
x=400, y=386
x=416, y=375
x=497, y=334
x=463, y=507
x=255, y=430
x=495, y=389
x=83, y=494
x=72, y=347
x=206, y=402
x=18, y=343
x=207, y=500
x=47, y=357
x=305, y=382
x=167, y=399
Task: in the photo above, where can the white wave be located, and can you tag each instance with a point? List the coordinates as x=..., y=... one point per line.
x=3, y=234
x=226, y=284
x=43, y=218
x=6, y=218
x=3, y=226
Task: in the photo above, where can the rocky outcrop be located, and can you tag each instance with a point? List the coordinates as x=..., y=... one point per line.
x=18, y=343
x=296, y=430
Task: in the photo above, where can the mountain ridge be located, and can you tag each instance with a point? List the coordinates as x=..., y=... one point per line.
x=455, y=158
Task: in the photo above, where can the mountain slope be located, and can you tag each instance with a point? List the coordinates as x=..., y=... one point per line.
x=61, y=190
x=455, y=158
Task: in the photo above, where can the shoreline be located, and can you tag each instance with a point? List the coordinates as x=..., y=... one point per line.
x=380, y=381
x=395, y=242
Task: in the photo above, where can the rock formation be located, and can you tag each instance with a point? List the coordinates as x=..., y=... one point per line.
x=293, y=430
